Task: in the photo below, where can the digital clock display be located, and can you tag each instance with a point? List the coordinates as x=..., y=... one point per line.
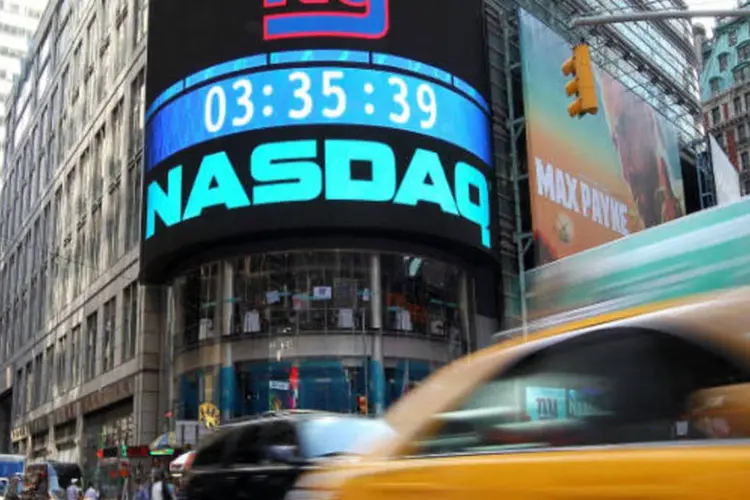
x=368, y=129
x=311, y=96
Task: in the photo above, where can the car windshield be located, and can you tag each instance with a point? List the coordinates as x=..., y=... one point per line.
x=330, y=436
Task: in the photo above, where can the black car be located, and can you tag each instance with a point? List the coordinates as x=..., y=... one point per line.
x=261, y=458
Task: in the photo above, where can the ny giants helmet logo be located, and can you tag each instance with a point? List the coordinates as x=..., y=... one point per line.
x=363, y=19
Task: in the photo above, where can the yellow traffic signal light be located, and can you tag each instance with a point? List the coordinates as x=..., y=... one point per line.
x=362, y=404
x=583, y=84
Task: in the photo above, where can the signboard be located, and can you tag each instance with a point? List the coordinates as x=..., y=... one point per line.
x=599, y=178
x=304, y=119
x=546, y=403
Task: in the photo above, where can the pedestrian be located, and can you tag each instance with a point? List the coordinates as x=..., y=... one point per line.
x=92, y=493
x=160, y=490
x=13, y=488
x=142, y=493
x=73, y=492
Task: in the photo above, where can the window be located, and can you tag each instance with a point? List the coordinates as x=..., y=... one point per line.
x=208, y=385
x=18, y=395
x=49, y=373
x=133, y=207
x=601, y=388
x=741, y=132
x=745, y=160
x=737, y=105
x=733, y=38
x=121, y=46
x=742, y=74
x=91, y=341
x=721, y=140
x=62, y=366
x=117, y=132
x=96, y=177
x=141, y=21
x=138, y=95
x=723, y=58
x=716, y=115
x=249, y=445
x=743, y=53
x=75, y=356
x=129, y=321
x=108, y=337
x=38, y=386
x=112, y=225
x=212, y=452
x=29, y=393
x=95, y=242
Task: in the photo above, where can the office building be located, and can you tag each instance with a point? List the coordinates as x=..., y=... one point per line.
x=69, y=237
x=725, y=91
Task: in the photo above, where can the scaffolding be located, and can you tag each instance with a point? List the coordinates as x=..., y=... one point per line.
x=515, y=239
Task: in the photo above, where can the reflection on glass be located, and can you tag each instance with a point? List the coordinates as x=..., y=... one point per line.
x=329, y=436
x=318, y=292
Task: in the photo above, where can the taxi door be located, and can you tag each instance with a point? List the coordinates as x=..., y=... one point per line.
x=718, y=472
x=600, y=416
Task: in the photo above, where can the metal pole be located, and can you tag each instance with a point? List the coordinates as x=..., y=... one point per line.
x=628, y=17
x=516, y=175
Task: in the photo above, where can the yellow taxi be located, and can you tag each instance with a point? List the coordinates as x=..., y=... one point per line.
x=649, y=403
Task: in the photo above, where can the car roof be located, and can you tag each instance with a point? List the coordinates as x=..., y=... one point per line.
x=291, y=415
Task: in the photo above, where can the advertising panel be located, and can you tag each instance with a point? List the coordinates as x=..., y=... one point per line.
x=597, y=178
x=701, y=253
x=282, y=118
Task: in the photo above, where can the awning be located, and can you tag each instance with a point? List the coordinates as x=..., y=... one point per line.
x=164, y=442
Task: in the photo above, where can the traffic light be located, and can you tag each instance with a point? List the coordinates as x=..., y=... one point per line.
x=362, y=404
x=583, y=84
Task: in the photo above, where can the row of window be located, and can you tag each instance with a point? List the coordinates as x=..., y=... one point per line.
x=318, y=292
x=740, y=105
x=9, y=29
x=16, y=8
x=81, y=354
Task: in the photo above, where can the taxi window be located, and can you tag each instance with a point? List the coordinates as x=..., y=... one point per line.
x=609, y=387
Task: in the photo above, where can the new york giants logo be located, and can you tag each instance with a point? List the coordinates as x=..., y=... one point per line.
x=365, y=19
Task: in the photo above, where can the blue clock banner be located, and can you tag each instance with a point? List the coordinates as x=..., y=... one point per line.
x=291, y=119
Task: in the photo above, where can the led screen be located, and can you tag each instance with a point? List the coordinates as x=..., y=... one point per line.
x=312, y=118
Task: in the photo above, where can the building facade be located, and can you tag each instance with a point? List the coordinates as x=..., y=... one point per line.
x=81, y=377
x=101, y=340
x=725, y=91
x=19, y=22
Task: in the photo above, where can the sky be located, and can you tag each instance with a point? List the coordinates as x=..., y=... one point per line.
x=709, y=4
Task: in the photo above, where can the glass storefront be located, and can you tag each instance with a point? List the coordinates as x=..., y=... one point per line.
x=311, y=384
x=317, y=292
x=276, y=297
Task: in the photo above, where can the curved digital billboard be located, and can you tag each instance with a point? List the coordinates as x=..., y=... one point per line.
x=276, y=118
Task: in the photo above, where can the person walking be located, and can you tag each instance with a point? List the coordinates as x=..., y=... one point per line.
x=160, y=490
x=13, y=488
x=73, y=492
x=142, y=492
x=92, y=493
